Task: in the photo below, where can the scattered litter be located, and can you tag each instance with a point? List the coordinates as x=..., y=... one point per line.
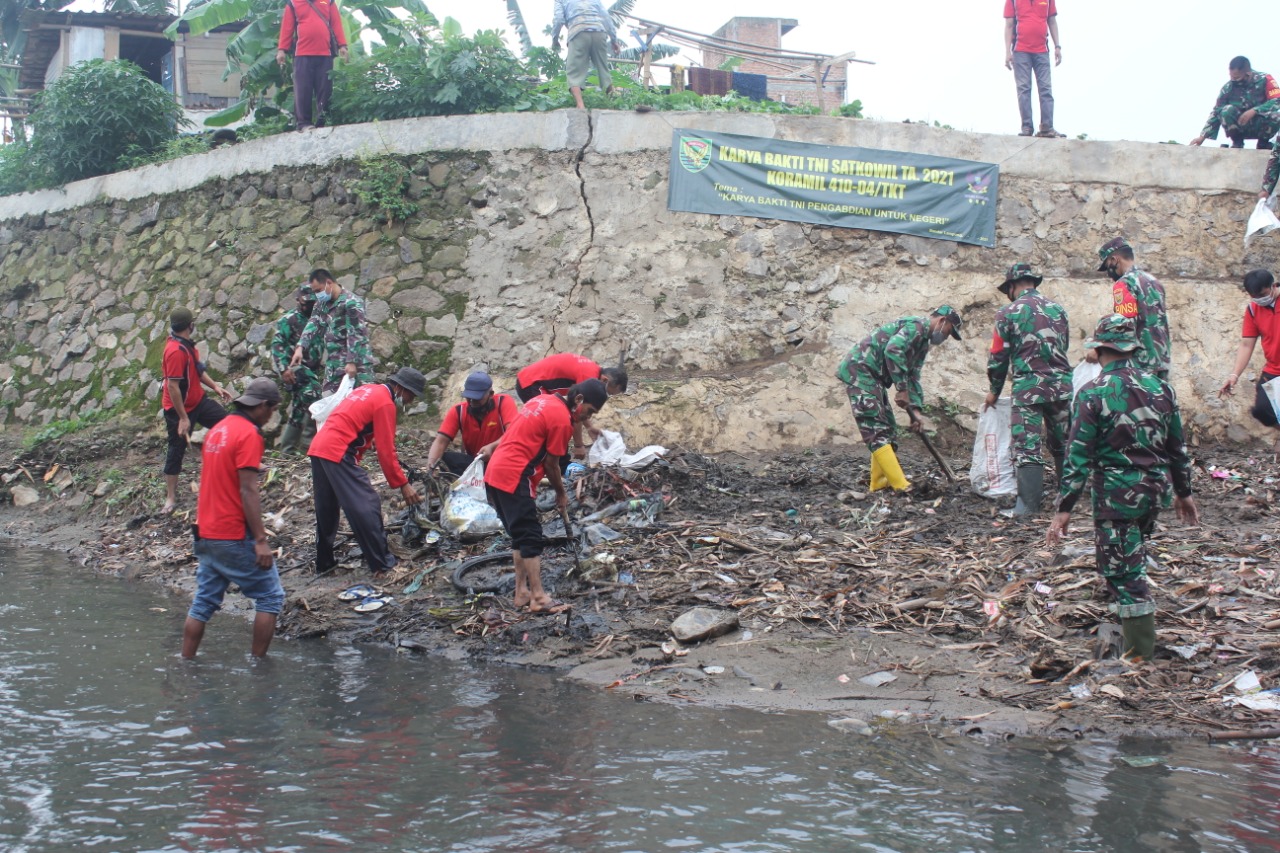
x=1142, y=760
x=877, y=679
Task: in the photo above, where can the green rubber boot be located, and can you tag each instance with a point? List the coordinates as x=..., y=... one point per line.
x=289, y=439
x=1140, y=636
x=1030, y=490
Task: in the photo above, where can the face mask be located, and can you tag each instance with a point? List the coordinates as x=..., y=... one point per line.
x=322, y=297
x=1265, y=301
x=1114, y=273
x=937, y=337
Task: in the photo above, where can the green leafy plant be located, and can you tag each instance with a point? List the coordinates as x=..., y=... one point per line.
x=853, y=109
x=383, y=185
x=134, y=156
x=57, y=429
x=92, y=115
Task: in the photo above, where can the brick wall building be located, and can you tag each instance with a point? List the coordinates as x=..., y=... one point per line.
x=785, y=84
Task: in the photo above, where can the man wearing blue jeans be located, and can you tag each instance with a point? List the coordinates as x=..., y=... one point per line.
x=1027, y=26
x=231, y=542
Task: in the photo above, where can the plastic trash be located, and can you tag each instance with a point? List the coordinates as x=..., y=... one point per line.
x=322, y=408
x=876, y=679
x=1272, y=389
x=1084, y=373
x=466, y=512
x=607, y=449
x=991, y=472
x=1261, y=221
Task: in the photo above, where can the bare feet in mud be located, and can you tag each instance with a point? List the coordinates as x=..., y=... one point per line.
x=169, y=507
x=547, y=606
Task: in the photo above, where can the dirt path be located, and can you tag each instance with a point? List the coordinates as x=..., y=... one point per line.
x=927, y=609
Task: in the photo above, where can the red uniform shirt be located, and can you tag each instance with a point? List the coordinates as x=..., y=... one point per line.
x=477, y=433
x=181, y=362
x=367, y=417
x=558, y=372
x=307, y=22
x=1030, y=23
x=542, y=427
x=1263, y=323
x=234, y=445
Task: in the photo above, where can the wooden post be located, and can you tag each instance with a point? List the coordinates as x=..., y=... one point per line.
x=817, y=79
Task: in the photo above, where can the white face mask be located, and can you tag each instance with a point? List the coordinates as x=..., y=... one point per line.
x=1265, y=301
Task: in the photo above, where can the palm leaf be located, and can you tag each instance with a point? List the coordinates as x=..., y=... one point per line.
x=215, y=13
x=620, y=10
x=516, y=18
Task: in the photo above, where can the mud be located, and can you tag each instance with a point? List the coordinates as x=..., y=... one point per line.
x=957, y=618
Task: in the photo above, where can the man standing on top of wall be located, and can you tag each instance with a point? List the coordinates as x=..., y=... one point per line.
x=591, y=33
x=1026, y=52
x=312, y=29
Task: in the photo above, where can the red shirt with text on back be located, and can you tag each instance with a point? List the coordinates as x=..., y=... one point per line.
x=233, y=445
x=367, y=417
x=1030, y=23
x=1263, y=323
x=542, y=427
x=558, y=372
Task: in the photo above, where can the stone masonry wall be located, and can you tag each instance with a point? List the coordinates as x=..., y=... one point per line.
x=549, y=233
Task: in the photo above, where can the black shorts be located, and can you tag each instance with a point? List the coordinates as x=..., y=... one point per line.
x=519, y=515
x=1263, y=412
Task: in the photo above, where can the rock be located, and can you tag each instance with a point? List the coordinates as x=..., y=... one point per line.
x=75, y=500
x=449, y=256
x=376, y=311
x=259, y=333
x=264, y=301
x=703, y=623
x=24, y=496
x=851, y=725
x=102, y=489
x=422, y=299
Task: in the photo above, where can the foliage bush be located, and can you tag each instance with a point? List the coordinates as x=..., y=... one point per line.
x=92, y=115
x=384, y=185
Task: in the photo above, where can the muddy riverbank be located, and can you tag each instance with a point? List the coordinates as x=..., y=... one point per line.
x=926, y=609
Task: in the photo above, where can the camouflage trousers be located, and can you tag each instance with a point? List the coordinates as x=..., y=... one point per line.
x=1122, y=562
x=304, y=391
x=872, y=413
x=1261, y=127
x=1032, y=425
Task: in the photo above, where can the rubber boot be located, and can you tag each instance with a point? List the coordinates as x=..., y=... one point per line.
x=289, y=438
x=1030, y=490
x=878, y=479
x=1140, y=636
x=890, y=468
x=308, y=433
x=1059, y=462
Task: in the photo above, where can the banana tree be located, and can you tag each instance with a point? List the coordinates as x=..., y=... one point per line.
x=252, y=51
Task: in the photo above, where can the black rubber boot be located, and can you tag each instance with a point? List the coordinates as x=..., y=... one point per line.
x=1264, y=145
x=1058, y=463
x=289, y=439
x=1030, y=490
x=1140, y=636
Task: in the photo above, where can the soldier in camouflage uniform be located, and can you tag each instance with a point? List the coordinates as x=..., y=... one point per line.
x=1139, y=296
x=338, y=323
x=1126, y=430
x=302, y=382
x=892, y=355
x=1248, y=107
x=1031, y=338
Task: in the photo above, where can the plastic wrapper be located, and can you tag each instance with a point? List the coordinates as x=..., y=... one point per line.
x=322, y=408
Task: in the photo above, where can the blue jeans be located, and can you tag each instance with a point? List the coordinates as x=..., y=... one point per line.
x=223, y=562
x=1024, y=65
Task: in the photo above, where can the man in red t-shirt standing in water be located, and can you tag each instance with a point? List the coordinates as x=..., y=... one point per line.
x=539, y=435
x=313, y=30
x=184, y=374
x=231, y=541
x=366, y=418
x=1260, y=321
x=1026, y=52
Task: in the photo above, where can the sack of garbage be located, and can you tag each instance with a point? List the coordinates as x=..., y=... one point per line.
x=322, y=408
x=991, y=473
x=1261, y=221
x=466, y=512
x=1272, y=389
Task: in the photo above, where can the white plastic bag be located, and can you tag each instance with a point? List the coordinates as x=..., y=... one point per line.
x=1084, y=373
x=1261, y=221
x=466, y=512
x=322, y=408
x=991, y=474
x=1272, y=389
x=608, y=449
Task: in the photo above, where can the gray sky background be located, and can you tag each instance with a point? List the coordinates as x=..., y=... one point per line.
x=1131, y=69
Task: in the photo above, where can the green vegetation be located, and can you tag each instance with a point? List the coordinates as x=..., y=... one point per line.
x=383, y=185
x=57, y=429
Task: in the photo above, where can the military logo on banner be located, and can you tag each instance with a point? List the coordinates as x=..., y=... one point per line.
x=695, y=153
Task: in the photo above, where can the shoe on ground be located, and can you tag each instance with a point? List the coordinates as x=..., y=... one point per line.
x=1026, y=131
x=1050, y=133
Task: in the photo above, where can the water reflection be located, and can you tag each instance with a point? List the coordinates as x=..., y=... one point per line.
x=111, y=742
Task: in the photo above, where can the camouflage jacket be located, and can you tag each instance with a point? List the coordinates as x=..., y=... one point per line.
x=342, y=334
x=891, y=355
x=1272, y=174
x=1140, y=295
x=1032, y=336
x=288, y=331
x=1126, y=429
x=1260, y=91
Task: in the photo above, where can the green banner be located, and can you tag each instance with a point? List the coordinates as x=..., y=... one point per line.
x=725, y=173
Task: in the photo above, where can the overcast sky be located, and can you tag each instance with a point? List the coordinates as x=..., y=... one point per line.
x=1131, y=69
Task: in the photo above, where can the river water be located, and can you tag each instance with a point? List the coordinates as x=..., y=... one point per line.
x=110, y=742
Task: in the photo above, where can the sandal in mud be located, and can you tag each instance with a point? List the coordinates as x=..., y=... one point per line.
x=373, y=603
x=358, y=592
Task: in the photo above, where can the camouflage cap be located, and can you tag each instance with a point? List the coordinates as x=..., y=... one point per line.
x=1114, y=332
x=949, y=313
x=1109, y=248
x=1019, y=272
x=306, y=294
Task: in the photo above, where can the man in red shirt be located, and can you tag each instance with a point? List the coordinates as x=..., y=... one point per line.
x=1026, y=52
x=367, y=417
x=312, y=29
x=555, y=373
x=482, y=417
x=539, y=436
x=184, y=374
x=1260, y=321
x=231, y=541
